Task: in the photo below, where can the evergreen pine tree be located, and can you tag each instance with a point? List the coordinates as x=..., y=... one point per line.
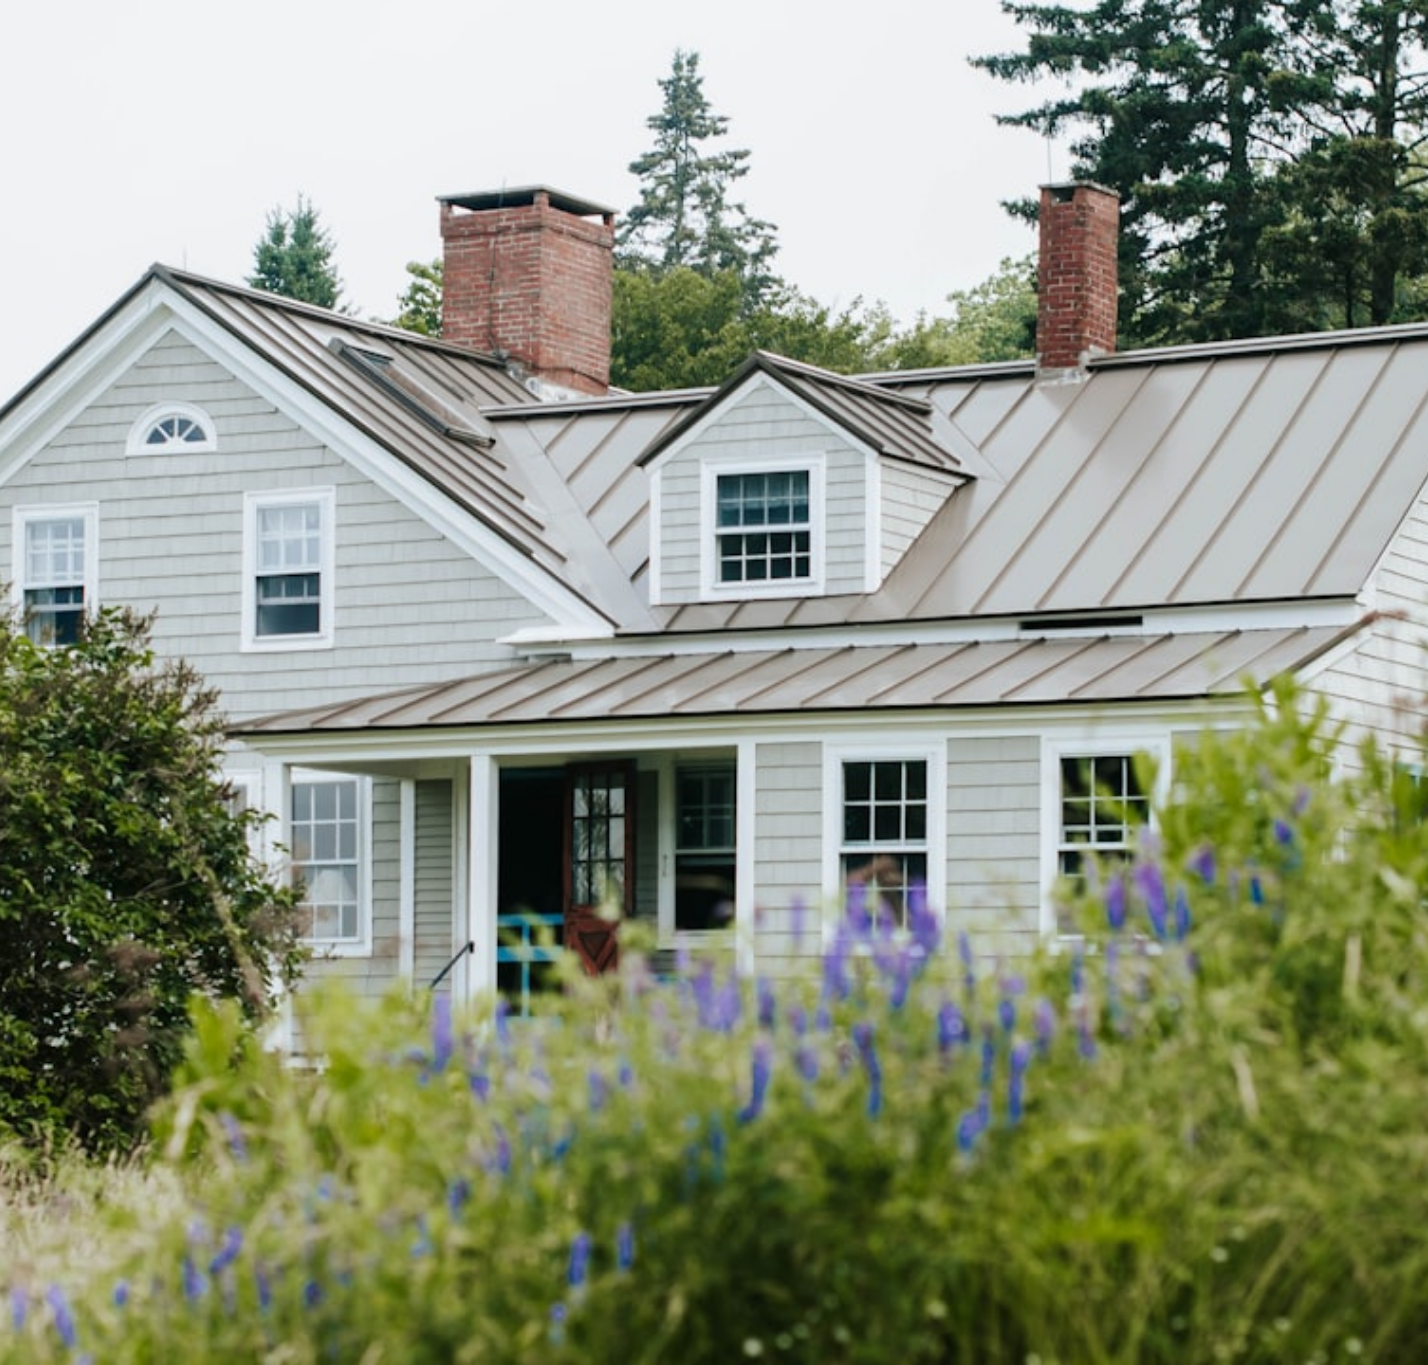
x=294, y=257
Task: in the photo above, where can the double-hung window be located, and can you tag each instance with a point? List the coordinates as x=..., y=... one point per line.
x=704, y=851
x=56, y=554
x=885, y=829
x=327, y=834
x=288, y=600
x=1102, y=807
x=764, y=527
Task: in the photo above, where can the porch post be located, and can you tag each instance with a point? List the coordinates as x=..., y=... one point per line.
x=406, y=883
x=482, y=831
x=745, y=836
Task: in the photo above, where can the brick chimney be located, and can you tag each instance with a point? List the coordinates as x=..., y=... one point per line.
x=528, y=273
x=1076, y=277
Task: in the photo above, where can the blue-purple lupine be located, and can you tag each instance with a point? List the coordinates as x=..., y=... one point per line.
x=1202, y=864
x=624, y=1247
x=63, y=1316
x=19, y=1307
x=805, y=1058
x=558, y=1314
x=868, y=1055
x=767, y=1003
x=458, y=1195
x=1151, y=886
x=1182, y=913
x=1256, y=889
x=1017, y=1064
x=1044, y=1021
x=233, y=1133
x=443, y=1041
x=797, y=921
x=952, y=1028
x=835, y=965
x=969, y=964
x=1116, y=902
x=228, y=1251
x=263, y=1282
x=761, y=1072
x=195, y=1282
x=989, y=1055
x=578, y=1270
x=599, y=1090
x=501, y=1015
x=120, y=1295
x=1006, y=1013
x=922, y=922
x=312, y=1294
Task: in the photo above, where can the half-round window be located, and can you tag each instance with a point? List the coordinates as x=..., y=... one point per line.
x=172, y=427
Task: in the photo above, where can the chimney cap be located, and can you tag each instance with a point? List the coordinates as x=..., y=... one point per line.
x=523, y=196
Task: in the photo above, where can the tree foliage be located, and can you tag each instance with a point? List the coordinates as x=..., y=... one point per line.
x=685, y=217
x=126, y=881
x=294, y=257
x=420, y=304
x=1266, y=153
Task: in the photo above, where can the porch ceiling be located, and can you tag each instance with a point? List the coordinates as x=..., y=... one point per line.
x=1045, y=670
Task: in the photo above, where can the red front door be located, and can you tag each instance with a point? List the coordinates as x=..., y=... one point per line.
x=599, y=860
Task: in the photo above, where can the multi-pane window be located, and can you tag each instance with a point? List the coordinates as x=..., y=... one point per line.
x=704, y=862
x=54, y=571
x=177, y=429
x=1102, y=807
x=288, y=563
x=598, y=836
x=763, y=527
x=885, y=829
x=326, y=852
x=171, y=428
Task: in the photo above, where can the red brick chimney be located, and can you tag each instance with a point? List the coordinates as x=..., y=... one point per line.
x=1076, y=277
x=527, y=273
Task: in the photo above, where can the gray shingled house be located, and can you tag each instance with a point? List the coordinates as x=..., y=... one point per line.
x=495, y=640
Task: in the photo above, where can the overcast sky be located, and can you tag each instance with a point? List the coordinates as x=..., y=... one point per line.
x=165, y=130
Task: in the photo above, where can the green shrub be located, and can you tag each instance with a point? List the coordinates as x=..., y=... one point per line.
x=1196, y=1136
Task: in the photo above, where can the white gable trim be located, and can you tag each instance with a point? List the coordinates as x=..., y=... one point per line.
x=158, y=309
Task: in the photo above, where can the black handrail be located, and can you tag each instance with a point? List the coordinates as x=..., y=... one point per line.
x=442, y=974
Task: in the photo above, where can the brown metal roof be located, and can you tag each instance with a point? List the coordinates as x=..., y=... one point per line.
x=1042, y=671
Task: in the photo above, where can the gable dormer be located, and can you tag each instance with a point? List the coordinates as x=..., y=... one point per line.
x=790, y=481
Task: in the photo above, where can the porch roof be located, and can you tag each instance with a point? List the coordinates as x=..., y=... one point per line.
x=1045, y=670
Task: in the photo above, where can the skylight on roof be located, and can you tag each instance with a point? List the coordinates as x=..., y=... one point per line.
x=388, y=374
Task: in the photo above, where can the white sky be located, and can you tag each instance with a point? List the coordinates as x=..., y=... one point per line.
x=165, y=130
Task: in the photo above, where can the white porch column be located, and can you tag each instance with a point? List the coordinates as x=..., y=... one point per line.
x=406, y=883
x=745, y=888
x=480, y=853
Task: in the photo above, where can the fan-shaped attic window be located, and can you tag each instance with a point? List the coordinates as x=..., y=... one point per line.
x=171, y=428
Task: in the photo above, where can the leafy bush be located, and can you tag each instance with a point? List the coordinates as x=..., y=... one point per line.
x=126, y=882
x=1196, y=1136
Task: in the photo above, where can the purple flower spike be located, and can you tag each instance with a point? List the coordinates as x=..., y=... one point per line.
x=798, y=1020
x=1151, y=886
x=989, y=1055
x=442, y=1042
x=195, y=1282
x=1202, y=864
x=579, y=1269
x=1016, y=1077
x=227, y=1252
x=599, y=1090
x=967, y=1132
x=64, y=1318
x=503, y=1022
x=1044, y=1019
x=265, y=1289
x=859, y=917
x=923, y=923
x=951, y=1027
x=1116, y=903
x=1256, y=889
x=762, y=1071
x=768, y=1004
x=1182, y=914
x=121, y=1294
x=312, y=1294
x=19, y=1307
x=1283, y=833
x=624, y=1247
x=458, y=1194
x=835, y=967
x=805, y=1059
x=1078, y=971
x=1006, y=1013
x=868, y=1055
x=1302, y=798
x=233, y=1132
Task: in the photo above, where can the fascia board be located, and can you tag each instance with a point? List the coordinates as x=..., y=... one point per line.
x=82, y=376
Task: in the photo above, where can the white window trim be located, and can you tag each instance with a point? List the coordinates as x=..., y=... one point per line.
x=933, y=752
x=137, y=444
x=1154, y=742
x=23, y=516
x=251, y=641
x=361, y=946
x=710, y=588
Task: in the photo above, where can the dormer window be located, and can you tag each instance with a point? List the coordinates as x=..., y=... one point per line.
x=763, y=530
x=172, y=427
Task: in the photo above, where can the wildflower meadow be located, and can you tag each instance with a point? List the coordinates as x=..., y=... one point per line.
x=1197, y=1130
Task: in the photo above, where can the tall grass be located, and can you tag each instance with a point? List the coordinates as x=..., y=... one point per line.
x=1196, y=1133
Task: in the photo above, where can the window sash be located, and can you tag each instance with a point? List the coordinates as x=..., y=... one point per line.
x=763, y=527
x=705, y=861
x=1102, y=807
x=325, y=834
x=54, y=564
x=885, y=829
x=288, y=578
